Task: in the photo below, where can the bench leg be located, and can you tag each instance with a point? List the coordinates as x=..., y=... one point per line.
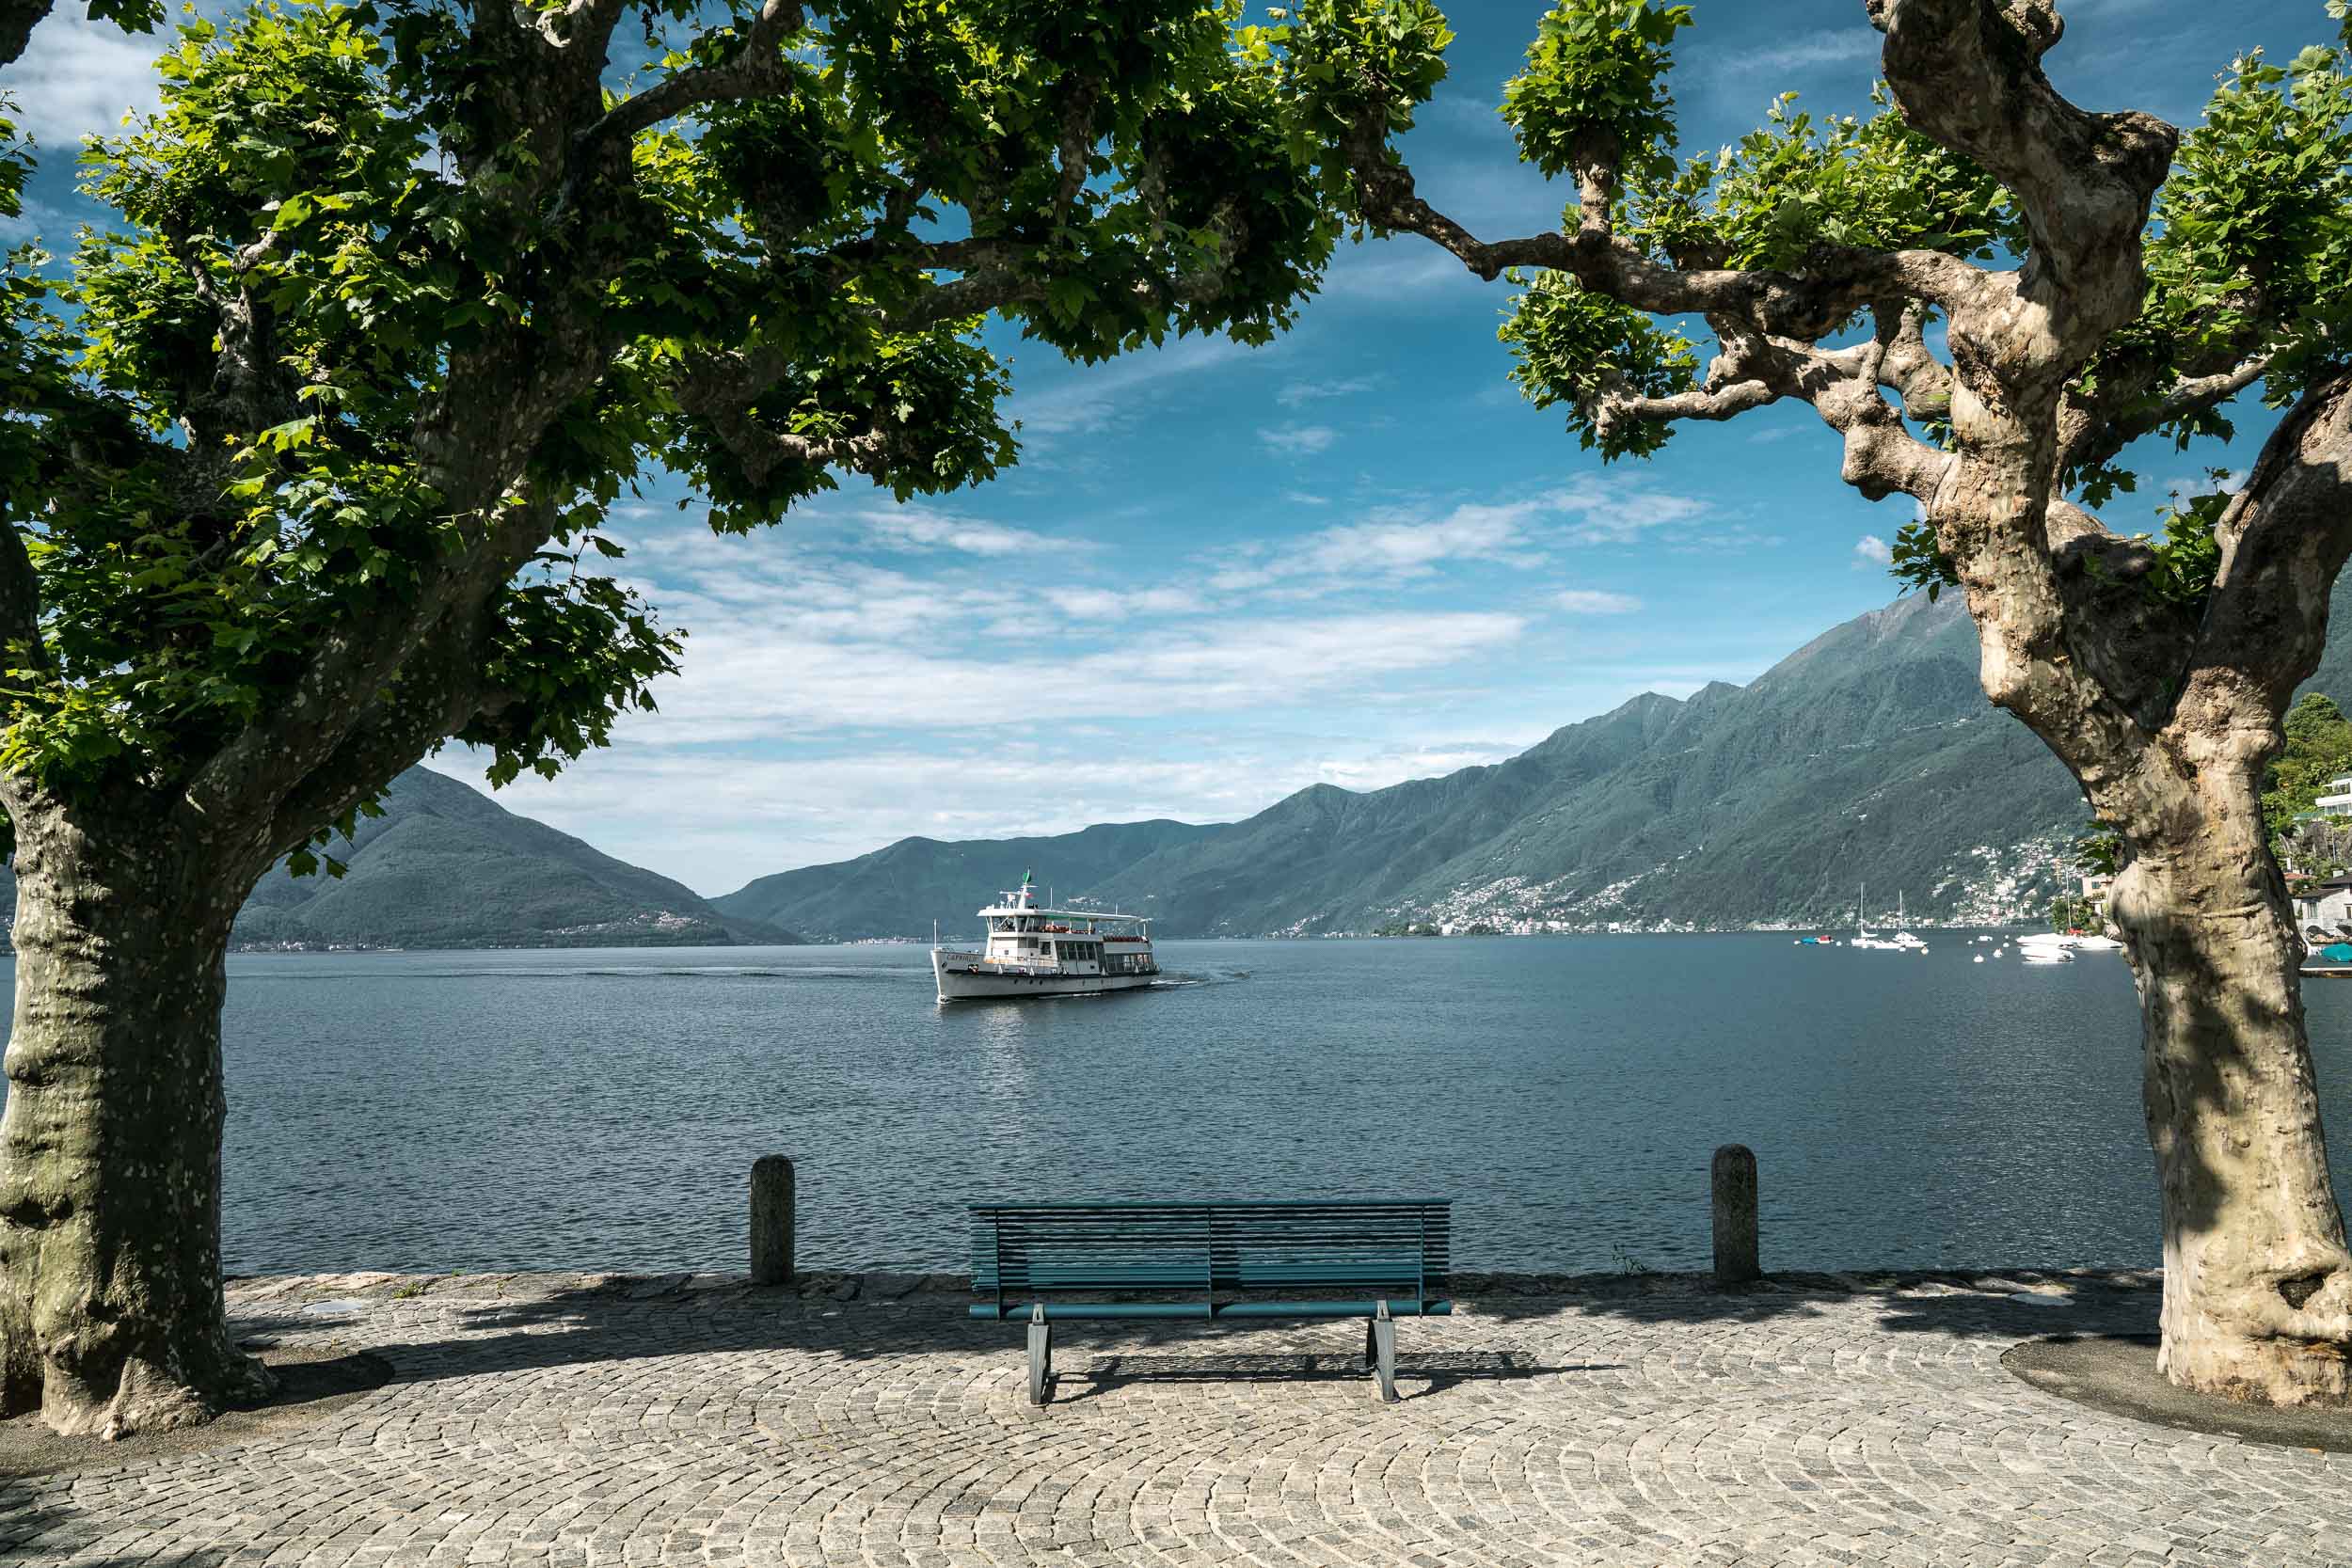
x=1040, y=1356
x=1372, y=1347
x=1383, y=1330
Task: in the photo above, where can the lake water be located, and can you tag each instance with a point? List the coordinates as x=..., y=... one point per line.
x=601, y=1109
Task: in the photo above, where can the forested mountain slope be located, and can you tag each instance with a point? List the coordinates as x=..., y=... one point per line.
x=1870, y=755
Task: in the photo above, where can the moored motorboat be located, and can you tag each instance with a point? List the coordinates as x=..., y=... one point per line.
x=1035, y=951
x=2331, y=963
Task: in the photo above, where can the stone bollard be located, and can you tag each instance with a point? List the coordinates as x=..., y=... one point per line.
x=771, y=1220
x=1735, y=1215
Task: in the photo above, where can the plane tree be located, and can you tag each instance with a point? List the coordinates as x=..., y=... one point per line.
x=309, y=448
x=1988, y=294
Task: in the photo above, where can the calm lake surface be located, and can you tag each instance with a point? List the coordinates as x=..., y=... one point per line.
x=601, y=1109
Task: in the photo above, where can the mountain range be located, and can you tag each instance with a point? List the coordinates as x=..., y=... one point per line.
x=446, y=866
x=1870, y=755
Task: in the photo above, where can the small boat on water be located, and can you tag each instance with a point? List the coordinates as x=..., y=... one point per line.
x=2049, y=948
x=1035, y=951
x=2331, y=963
x=1901, y=942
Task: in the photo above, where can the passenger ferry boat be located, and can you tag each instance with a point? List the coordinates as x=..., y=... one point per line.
x=1034, y=951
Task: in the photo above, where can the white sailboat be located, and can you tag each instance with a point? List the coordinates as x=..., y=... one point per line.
x=1902, y=941
x=1903, y=938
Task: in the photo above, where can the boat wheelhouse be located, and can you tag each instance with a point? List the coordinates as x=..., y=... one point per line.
x=1035, y=951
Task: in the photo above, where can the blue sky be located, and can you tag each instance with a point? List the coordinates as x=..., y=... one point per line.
x=1221, y=574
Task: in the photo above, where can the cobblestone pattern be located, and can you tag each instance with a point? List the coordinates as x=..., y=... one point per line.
x=570, y=1421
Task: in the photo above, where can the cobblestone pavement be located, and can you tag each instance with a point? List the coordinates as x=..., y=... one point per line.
x=565, y=1420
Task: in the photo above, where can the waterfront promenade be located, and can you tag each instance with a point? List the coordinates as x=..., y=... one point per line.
x=574, y=1421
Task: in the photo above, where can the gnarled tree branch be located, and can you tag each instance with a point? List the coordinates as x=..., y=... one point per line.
x=755, y=69
x=1805, y=306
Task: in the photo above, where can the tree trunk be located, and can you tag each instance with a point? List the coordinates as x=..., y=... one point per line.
x=111, y=1319
x=2257, y=1283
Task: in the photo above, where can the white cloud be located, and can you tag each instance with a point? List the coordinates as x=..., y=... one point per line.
x=760, y=674
x=1106, y=604
x=756, y=815
x=77, y=77
x=1392, y=270
x=1298, y=392
x=1410, y=547
x=1299, y=440
x=53, y=226
x=1088, y=398
x=1619, y=514
x=1871, y=548
x=1827, y=46
x=1302, y=498
x=789, y=643
x=1398, y=543
x=910, y=529
x=1595, y=601
x=2228, y=482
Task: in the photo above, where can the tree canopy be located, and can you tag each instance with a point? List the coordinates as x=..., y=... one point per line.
x=1838, y=231
x=404, y=295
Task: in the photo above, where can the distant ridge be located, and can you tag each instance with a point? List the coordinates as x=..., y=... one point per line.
x=446, y=866
x=901, y=890
x=1869, y=753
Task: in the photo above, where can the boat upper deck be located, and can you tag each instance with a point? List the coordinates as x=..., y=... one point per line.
x=1064, y=917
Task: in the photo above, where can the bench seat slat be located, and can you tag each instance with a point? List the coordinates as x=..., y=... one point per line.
x=1197, y=1311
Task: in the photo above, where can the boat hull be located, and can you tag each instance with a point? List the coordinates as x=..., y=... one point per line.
x=958, y=983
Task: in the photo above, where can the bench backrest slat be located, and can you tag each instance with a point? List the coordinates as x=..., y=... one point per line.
x=1211, y=1246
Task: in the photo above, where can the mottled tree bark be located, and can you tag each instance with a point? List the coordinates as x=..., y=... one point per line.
x=110, y=1298
x=2255, y=1270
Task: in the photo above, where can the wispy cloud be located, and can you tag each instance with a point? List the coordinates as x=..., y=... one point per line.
x=1401, y=546
x=1391, y=270
x=1105, y=603
x=761, y=814
x=1872, y=550
x=1399, y=543
x=1812, y=51
x=1595, y=601
x=1298, y=393
x=797, y=644
x=1095, y=397
x=1299, y=440
x=39, y=220
x=77, y=77
x=914, y=530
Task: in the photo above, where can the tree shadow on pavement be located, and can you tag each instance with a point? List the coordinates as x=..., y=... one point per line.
x=471, y=1330
x=2012, y=1303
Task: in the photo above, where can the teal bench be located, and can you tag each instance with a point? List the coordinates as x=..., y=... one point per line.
x=1244, y=1260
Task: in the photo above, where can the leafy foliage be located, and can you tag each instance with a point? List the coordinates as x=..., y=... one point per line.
x=2248, y=243
x=2075, y=911
x=1596, y=79
x=2100, y=850
x=2187, y=555
x=230, y=424
x=1327, y=62
x=1918, y=560
x=2318, y=749
x=1797, y=185
x=1569, y=346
